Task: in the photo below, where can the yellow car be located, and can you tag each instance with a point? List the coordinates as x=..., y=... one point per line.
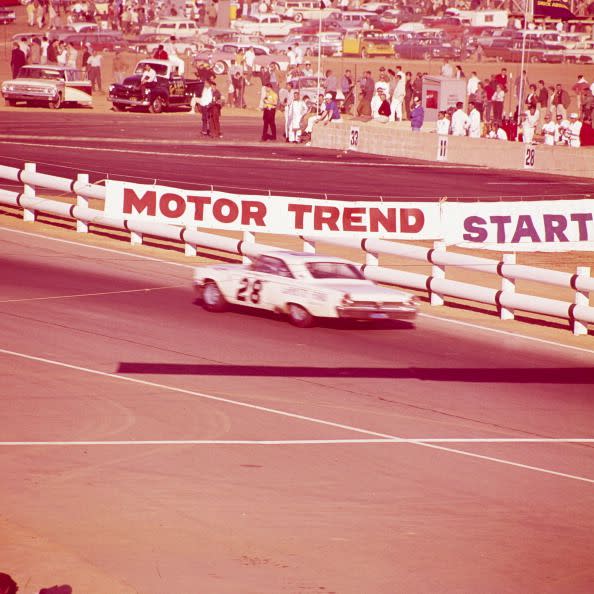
x=367, y=44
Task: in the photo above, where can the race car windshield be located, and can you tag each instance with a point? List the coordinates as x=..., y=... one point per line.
x=333, y=270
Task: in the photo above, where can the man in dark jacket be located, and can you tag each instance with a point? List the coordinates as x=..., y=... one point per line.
x=17, y=60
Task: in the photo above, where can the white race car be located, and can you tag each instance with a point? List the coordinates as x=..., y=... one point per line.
x=302, y=286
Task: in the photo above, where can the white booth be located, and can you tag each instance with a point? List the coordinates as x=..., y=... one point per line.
x=440, y=93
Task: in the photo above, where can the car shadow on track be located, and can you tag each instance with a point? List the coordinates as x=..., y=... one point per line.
x=521, y=375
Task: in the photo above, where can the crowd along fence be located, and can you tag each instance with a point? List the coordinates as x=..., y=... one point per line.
x=578, y=313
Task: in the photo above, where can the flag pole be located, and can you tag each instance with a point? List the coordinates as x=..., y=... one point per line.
x=322, y=6
x=522, y=65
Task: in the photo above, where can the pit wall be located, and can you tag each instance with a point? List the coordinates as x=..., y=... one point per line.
x=392, y=139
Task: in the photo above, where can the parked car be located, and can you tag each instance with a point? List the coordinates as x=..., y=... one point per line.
x=535, y=50
x=426, y=49
x=169, y=90
x=222, y=57
x=330, y=24
x=50, y=85
x=7, y=16
x=309, y=86
x=376, y=7
x=110, y=41
x=582, y=53
x=149, y=42
x=308, y=43
x=302, y=286
x=367, y=44
x=178, y=27
x=268, y=25
x=302, y=10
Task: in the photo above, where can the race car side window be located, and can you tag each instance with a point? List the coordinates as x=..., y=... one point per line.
x=270, y=265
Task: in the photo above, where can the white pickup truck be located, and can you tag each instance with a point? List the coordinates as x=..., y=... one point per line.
x=268, y=25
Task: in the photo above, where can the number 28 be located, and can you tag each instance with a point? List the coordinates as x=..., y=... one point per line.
x=244, y=293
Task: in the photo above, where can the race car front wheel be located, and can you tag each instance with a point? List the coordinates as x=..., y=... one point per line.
x=299, y=316
x=212, y=298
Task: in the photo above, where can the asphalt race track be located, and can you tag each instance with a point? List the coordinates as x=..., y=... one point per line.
x=171, y=150
x=149, y=446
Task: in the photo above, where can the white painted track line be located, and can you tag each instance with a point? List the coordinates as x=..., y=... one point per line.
x=279, y=412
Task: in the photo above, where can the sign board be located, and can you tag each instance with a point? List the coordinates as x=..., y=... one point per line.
x=547, y=225
x=354, y=138
x=442, y=147
x=529, y=156
x=272, y=214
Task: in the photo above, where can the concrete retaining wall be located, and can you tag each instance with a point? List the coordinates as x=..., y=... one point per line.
x=394, y=140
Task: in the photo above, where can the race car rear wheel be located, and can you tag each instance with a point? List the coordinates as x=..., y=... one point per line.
x=212, y=298
x=298, y=17
x=299, y=316
x=157, y=105
x=10, y=102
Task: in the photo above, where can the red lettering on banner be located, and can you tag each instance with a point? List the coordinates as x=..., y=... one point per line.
x=351, y=219
x=232, y=210
x=500, y=222
x=524, y=228
x=412, y=220
x=148, y=202
x=199, y=202
x=326, y=215
x=582, y=218
x=253, y=211
x=299, y=210
x=165, y=205
x=555, y=226
x=387, y=220
x=475, y=230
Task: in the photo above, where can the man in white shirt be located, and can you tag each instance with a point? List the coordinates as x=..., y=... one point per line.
x=171, y=50
x=442, y=125
x=472, y=85
x=573, y=131
x=531, y=120
x=205, y=102
x=398, y=96
x=474, y=122
x=296, y=110
x=548, y=130
x=292, y=57
x=148, y=75
x=250, y=60
x=561, y=127
x=298, y=53
x=459, y=121
x=446, y=69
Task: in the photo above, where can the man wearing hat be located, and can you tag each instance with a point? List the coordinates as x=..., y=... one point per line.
x=269, y=104
x=573, y=130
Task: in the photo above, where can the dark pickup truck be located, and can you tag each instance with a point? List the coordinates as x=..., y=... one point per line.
x=168, y=91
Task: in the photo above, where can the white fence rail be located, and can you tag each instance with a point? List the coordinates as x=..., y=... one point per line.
x=578, y=313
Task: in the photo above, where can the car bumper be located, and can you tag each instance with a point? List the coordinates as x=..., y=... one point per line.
x=368, y=313
x=28, y=96
x=122, y=101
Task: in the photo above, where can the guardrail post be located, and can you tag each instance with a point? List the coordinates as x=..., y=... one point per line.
x=135, y=238
x=371, y=259
x=190, y=249
x=309, y=247
x=508, y=286
x=437, y=271
x=82, y=226
x=29, y=191
x=248, y=237
x=581, y=298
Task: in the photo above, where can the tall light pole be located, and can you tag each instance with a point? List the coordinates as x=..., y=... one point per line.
x=527, y=15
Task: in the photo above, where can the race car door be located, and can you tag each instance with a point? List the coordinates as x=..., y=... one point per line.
x=261, y=285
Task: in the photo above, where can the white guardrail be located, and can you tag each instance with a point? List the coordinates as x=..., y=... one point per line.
x=578, y=313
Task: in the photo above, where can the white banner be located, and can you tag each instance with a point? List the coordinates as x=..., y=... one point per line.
x=549, y=225
x=272, y=214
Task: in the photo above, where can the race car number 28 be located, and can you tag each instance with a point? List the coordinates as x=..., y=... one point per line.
x=249, y=290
